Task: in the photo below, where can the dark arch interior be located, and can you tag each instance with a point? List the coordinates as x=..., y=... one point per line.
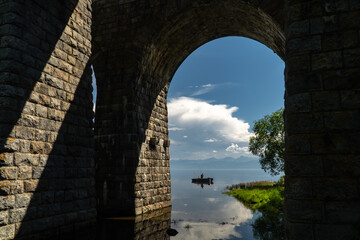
x=133, y=74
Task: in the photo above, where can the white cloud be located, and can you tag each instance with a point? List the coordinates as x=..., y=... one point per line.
x=234, y=148
x=214, y=151
x=203, y=89
x=185, y=136
x=191, y=113
x=175, y=129
x=211, y=140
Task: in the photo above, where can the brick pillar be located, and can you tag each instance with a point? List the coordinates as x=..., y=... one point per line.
x=46, y=138
x=322, y=119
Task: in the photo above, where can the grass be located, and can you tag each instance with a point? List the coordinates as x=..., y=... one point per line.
x=268, y=199
x=260, y=198
x=265, y=196
x=251, y=185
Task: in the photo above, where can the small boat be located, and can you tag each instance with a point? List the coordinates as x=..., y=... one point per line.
x=202, y=180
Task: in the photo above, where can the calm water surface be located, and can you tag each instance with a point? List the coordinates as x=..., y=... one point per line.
x=206, y=213
x=196, y=213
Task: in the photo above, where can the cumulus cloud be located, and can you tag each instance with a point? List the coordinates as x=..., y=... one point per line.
x=234, y=148
x=214, y=151
x=211, y=140
x=203, y=89
x=197, y=114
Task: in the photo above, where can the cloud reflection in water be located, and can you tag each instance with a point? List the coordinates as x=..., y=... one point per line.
x=202, y=223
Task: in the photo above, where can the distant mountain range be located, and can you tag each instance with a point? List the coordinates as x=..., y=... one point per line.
x=214, y=163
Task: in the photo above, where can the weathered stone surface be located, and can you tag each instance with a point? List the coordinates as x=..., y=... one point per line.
x=4, y=218
x=7, y=202
x=7, y=232
x=8, y=173
x=46, y=125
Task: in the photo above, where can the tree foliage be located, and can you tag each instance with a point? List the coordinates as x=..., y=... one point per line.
x=269, y=142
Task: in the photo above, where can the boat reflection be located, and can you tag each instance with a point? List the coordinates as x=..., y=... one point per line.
x=202, y=181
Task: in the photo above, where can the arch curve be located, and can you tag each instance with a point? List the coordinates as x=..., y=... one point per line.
x=134, y=60
x=202, y=22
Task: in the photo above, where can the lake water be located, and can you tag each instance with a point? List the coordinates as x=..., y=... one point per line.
x=206, y=213
x=197, y=213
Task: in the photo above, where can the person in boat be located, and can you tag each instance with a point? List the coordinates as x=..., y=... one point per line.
x=202, y=176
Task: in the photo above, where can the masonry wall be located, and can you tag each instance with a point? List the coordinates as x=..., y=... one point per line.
x=138, y=46
x=46, y=138
x=48, y=164
x=322, y=120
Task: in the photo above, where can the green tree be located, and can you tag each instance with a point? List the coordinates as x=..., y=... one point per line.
x=269, y=142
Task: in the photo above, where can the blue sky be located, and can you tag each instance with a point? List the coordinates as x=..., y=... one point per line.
x=216, y=95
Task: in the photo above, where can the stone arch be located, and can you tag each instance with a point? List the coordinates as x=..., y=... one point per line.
x=46, y=128
x=136, y=51
x=202, y=22
x=144, y=64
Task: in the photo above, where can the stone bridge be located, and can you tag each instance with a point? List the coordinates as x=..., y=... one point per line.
x=59, y=170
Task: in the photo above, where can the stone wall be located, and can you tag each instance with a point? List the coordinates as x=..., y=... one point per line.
x=49, y=171
x=138, y=46
x=322, y=120
x=47, y=168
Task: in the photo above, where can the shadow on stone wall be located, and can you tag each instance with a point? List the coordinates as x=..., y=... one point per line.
x=47, y=167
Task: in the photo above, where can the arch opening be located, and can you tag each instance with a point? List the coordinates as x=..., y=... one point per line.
x=131, y=126
x=213, y=99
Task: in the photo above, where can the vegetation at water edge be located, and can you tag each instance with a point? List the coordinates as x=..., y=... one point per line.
x=266, y=198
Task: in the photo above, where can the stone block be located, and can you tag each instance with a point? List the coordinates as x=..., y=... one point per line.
x=7, y=232
x=339, y=40
x=337, y=142
x=7, y=202
x=350, y=99
x=40, y=147
x=326, y=100
x=11, y=145
x=10, y=187
x=304, y=122
x=304, y=210
x=298, y=28
x=4, y=217
x=17, y=215
x=41, y=111
x=352, y=57
x=342, y=165
x=6, y=159
x=342, y=212
x=297, y=64
x=23, y=200
x=31, y=185
x=298, y=103
x=349, y=20
x=335, y=189
x=334, y=232
x=26, y=159
x=298, y=188
x=342, y=120
x=8, y=173
x=299, y=231
x=328, y=60
x=298, y=83
x=300, y=46
x=24, y=132
x=303, y=166
x=37, y=172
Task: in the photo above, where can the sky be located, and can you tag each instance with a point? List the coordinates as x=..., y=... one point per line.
x=216, y=95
